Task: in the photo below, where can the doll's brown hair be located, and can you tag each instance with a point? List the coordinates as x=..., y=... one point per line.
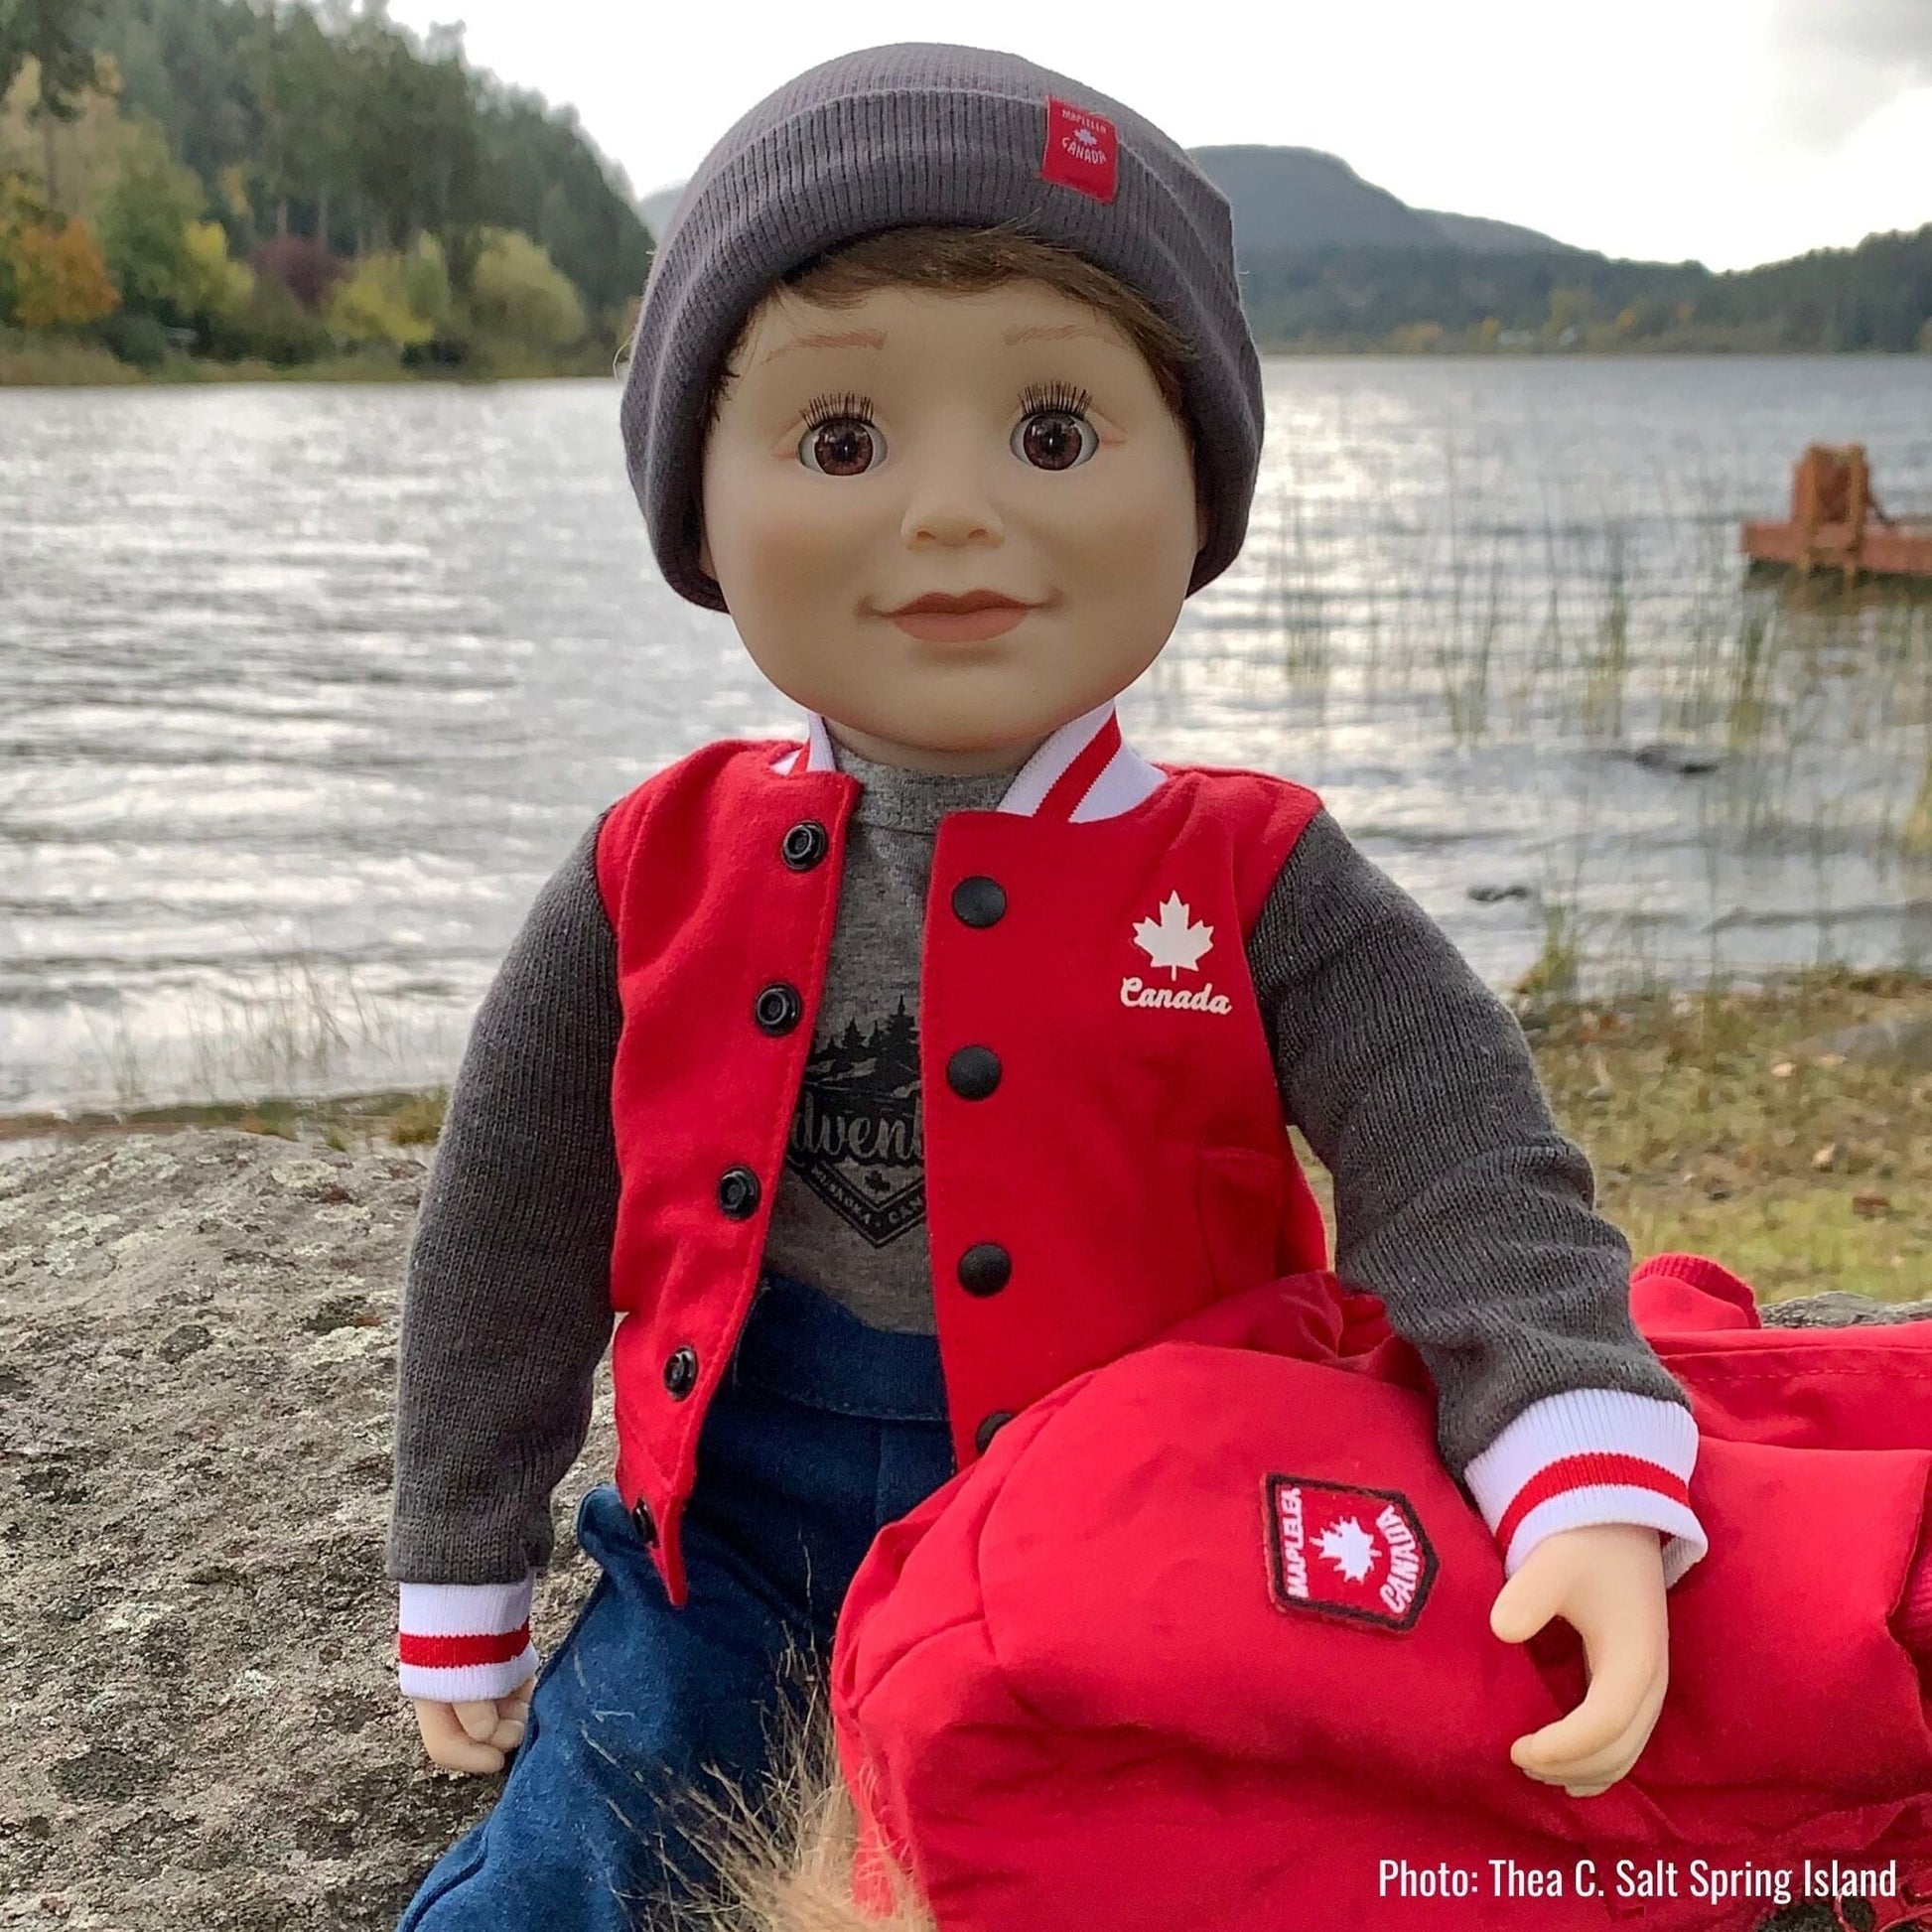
x=969, y=261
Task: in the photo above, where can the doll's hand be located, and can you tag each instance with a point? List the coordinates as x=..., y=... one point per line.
x=1607, y=1583
x=475, y=1735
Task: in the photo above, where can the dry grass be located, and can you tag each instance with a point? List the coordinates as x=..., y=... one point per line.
x=1720, y=1122
x=786, y=1864
x=56, y=364
x=1715, y=1125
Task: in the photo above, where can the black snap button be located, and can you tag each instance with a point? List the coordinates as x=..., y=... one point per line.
x=738, y=1192
x=778, y=1008
x=979, y=901
x=973, y=1073
x=990, y=1428
x=642, y=1523
x=804, y=845
x=985, y=1268
x=681, y=1371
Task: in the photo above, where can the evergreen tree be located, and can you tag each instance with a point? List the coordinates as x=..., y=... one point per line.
x=60, y=36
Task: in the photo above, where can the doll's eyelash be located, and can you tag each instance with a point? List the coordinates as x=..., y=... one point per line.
x=1056, y=397
x=832, y=409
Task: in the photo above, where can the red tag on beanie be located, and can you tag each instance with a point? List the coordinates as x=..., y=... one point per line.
x=1082, y=150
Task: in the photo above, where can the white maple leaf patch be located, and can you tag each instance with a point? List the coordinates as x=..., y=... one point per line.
x=1349, y=1548
x=1175, y=940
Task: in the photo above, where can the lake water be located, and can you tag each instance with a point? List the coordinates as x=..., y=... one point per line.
x=305, y=690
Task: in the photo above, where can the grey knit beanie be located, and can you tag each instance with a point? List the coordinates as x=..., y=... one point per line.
x=919, y=132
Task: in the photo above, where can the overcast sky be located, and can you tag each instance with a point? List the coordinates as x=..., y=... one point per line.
x=1728, y=131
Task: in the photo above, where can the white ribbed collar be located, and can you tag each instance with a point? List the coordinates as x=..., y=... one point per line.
x=1085, y=770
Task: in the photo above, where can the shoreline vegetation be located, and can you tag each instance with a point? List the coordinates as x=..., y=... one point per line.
x=54, y=362
x=1785, y=1130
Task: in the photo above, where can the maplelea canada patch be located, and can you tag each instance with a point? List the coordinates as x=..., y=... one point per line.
x=1346, y=1552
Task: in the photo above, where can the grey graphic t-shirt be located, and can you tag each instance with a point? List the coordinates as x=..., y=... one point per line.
x=849, y=1211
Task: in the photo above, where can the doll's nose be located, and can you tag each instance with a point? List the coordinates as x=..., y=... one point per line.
x=951, y=503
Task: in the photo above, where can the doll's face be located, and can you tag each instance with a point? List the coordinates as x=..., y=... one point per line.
x=1012, y=441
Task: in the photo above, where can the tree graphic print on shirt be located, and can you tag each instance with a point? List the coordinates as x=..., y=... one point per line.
x=856, y=1138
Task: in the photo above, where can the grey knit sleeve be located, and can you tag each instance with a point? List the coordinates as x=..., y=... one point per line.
x=1456, y=1200
x=506, y=1306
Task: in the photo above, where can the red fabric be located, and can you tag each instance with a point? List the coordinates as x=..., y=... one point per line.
x=443, y=1652
x=1082, y=150
x=1069, y=1681
x=1134, y=1166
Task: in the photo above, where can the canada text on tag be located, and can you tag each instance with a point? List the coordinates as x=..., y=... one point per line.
x=1346, y=1552
x=1082, y=150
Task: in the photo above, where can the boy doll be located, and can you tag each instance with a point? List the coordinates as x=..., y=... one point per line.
x=883, y=1081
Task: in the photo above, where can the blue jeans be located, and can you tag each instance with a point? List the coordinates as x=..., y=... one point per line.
x=823, y=1432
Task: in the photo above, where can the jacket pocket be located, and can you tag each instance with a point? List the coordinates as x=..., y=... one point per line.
x=1240, y=1196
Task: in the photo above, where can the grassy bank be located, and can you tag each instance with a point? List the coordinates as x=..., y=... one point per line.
x=1735, y=1124
x=1789, y=1136
x=1743, y=1125
x=58, y=364
x=63, y=364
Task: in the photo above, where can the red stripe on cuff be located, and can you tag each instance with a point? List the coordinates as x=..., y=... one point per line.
x=1587, y=1472
x=449, y=1653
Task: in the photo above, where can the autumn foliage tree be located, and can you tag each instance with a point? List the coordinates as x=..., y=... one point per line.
x=52, y=271
x=516, y=293
x=303, y=264
x=60, y=279
x=401, y=299
x=144, y=231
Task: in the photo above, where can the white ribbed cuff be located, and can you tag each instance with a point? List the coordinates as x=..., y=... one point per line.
x=1590, y=1456
x=460, y=1642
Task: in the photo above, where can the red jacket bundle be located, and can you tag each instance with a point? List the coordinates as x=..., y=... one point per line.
x=1202, y=1641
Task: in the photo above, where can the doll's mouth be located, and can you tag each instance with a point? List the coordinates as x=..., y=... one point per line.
x=939, y=617
x=943, y=602
x=961, y=626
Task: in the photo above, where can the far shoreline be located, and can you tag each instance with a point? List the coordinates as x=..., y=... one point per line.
x=69, y=367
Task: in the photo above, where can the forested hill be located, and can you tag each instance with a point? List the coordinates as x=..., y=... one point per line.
x=1331, y=262
x=309, y=122
x=349, y=116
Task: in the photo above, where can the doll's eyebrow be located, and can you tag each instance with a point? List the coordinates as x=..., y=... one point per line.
x=852, y=339
x=1059, y=332
x=1030, y=332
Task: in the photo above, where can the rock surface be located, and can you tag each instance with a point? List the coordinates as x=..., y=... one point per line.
x=197, y=1643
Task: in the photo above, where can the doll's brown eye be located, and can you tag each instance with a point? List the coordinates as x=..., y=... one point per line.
x=1054, y=439
x=841, y=446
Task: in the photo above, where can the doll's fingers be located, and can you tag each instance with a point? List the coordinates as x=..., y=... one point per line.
x=1607, y=1715
x=478, y=1717
x=461, y=1753
x=512, y=1722
x=448, y=1745
x=1582, y=1769
x=1522, y=1608
x=517, y=1704
x=513, y=1717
